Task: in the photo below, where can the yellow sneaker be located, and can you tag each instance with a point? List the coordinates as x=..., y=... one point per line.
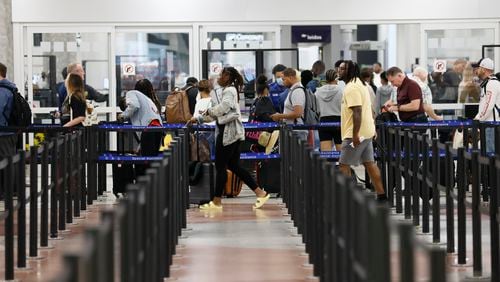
x=210, y=206
x=261, y=201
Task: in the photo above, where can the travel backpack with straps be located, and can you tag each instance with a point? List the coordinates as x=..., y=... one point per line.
x=20, y=114
x=311, y=110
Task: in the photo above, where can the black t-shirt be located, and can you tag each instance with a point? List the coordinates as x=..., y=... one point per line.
x=78, y=107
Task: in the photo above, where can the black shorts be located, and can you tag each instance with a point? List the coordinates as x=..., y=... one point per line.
x=327, y=134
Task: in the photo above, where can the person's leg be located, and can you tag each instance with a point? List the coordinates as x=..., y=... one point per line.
x=375, y=176
x=234, y=166
x=222, y=154
x=326, y=146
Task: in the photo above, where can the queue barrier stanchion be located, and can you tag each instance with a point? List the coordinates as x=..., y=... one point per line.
x=61, y=182
x=33, y=199
x=54, y=185
x=9, y=219
x=422, y=176
x=20, y=173
x=436, y=209
x=45, y=186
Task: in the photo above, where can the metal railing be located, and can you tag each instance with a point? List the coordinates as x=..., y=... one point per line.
x=345, y=231
x=144, y=228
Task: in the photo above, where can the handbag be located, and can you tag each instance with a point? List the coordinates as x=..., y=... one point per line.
x=458, y=139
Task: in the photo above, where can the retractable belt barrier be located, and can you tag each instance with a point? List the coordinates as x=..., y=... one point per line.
x=147, y=224
x=64, y=180
x=415, y=181
x=346, y=232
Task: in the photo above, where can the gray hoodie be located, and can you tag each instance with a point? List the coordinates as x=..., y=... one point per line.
x=329, y=98
x=384, y=93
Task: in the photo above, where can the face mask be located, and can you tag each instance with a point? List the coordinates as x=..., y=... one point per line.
x=279, y=80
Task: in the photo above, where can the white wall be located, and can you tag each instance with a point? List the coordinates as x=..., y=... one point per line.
x=50, y=11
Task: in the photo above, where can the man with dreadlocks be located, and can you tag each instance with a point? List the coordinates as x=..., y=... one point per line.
x=357, y=126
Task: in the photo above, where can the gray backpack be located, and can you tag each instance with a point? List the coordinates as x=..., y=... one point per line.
x=311, y=110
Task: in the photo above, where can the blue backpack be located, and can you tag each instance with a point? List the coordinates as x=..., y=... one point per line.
x=20, y=114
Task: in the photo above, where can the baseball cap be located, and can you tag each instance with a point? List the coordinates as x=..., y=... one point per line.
x=486, y=63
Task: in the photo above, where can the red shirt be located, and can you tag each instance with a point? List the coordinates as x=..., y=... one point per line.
x=408, y=91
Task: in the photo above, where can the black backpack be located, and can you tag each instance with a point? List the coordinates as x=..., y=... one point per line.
x=21, y=111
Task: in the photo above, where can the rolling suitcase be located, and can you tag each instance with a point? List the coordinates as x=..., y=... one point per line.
x=233, y=185
x=203, y=191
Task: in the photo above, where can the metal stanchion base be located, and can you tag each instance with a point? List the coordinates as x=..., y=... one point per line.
x=175, y=267
x=180, y=246
x=56, y=238
x=468, y=263
x=49, y=247
x=312, y=278
x=65, y=231
x=303, y=254
x=37, y=258
x=169, y=279
x=441, y=244
x=188, y=229
x=14, y=280
x=177, y=256
x=24, y=269
x=183, y=237
x=295, y=235
x=476, y=278
x=307, y=265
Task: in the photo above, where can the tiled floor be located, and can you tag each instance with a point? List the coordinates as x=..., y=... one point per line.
x=241, y=244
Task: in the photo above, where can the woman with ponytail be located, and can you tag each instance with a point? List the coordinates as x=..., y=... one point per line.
x=229, y=134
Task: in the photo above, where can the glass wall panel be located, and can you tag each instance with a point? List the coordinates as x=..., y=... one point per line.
x=163, y=58
x=52, y=52
x=457, y=47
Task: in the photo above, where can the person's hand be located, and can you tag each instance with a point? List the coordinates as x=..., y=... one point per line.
x=440, y=118
x=276, y=117
x=388, y=104
x=192, y=120
x=119, y=117
x=355, y=141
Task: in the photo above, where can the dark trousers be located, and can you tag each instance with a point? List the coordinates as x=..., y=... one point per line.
x=228, y=157
x=150, y=145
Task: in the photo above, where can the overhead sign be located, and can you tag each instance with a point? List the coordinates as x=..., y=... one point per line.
x=309, y=33
x=439, y=65
x=128, y=68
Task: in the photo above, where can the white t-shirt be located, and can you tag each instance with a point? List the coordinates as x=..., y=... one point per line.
x=202, y=105
x=298, y=98
x=489, y=99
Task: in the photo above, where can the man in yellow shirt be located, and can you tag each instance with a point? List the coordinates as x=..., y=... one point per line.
x=357, y=127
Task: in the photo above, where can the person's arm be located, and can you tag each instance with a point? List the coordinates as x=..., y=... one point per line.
x=414, y=105
x=298, y=109
x=94, y=94
x=295, y=114
x=356, y=120
x=486, y=108
x=430, y=111
x=133, y=105
x=75, y=121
